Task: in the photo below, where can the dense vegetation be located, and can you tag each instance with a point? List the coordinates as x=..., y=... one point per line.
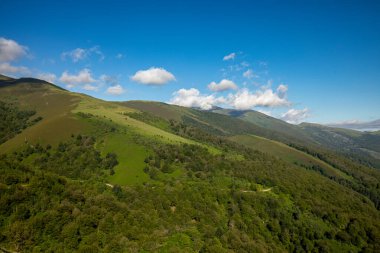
x=56, y=199
x=13, y=120
x=213, y=195
x=361, y=179
x=360, y=147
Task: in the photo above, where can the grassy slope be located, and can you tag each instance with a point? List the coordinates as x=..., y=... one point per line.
x=53, y=104
x=58, y=109
x=5, y=78
x=115, y=112
x=275, y=148
x=206, y=120
x=285, y=153
x=131, y=157
x=267, y=122
x=362, y=146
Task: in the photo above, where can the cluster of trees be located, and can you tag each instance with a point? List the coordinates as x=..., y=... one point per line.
x=56, y=199
x=14, y=120
x=363, y=180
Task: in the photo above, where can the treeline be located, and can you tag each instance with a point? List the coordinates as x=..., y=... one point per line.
x=14, y=120
x=363, y=180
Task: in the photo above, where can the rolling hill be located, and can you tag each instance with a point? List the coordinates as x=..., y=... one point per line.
x=81, y=174
x=361, y=146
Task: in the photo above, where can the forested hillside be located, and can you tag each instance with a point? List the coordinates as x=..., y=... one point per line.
x=112, y=177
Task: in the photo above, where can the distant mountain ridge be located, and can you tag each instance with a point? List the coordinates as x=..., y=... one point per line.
x=348, y=141
x=360, y=126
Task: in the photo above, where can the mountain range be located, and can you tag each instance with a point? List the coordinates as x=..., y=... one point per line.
x=361, y=126
x=80, y=174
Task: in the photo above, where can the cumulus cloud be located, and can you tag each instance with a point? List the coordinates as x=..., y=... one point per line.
x=10, y=50
x=79, y=54
x=242, y=99
x=6, y=68
x=115, y=90
x=249, y=74
x=245, y=99
x=295, y=116
x=281, y=90
x=193, y=98
x=153, y=76
x=83, y=77
x=230, y=56
x=48, y=77
x=108, y=80
x=222, y=85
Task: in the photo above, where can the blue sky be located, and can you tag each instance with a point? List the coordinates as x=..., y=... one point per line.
x=315, y=61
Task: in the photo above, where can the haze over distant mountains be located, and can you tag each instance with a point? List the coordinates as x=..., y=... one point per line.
x=360, y=126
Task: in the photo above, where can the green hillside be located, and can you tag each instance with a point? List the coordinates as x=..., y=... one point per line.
x=364, y=146
x=268, y=122
x=288, y=154
x=361, y=146
x=79, y=174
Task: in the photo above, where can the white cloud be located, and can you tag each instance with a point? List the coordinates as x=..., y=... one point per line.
x=79, y=54
x=242, y=99
x=48, y=77
x=119, y=56
x=76, y=54
x=193, y=98
x=231, y=56
x=114, y=87
x=153, y=76
x=222, y=85
x=83, y=77
x=249, y=74
x=295, y=116
x=90, y=87
x=245, y=99
x=6, y=68
x=10, y=50
x=281, y=90
x=115, y=90
x=108, y=80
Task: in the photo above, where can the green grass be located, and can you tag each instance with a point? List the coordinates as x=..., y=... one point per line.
x=52, y=104
x=115, y=112
x=131, y=156
x=130, y=170
x=285, y=152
